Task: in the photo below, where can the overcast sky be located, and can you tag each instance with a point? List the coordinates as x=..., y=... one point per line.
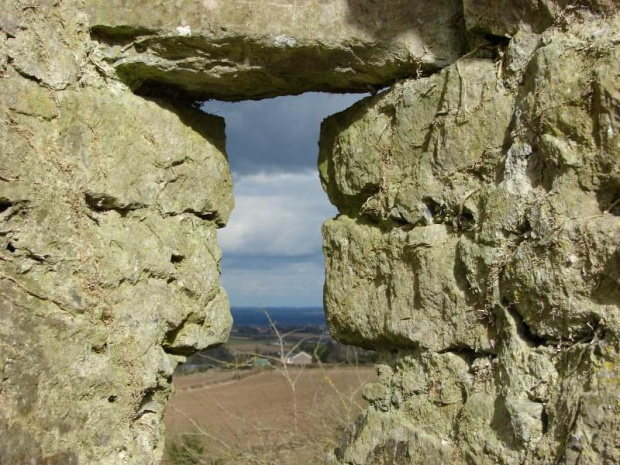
x=272, y=245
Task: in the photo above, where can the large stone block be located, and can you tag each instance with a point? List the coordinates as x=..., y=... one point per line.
x=479, y=219
x=109, y=268
x=239, y=49
x=398, y=289
x=415, y=162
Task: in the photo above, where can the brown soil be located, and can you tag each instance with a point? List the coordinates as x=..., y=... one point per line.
x=255, y=415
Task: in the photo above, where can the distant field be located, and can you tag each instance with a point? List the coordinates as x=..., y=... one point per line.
x=268, y=345
x=235, y=342
x=253, y=347
x=251, y=419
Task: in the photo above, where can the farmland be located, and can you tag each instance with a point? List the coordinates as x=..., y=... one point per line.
x=263, y=415
x=241, y=403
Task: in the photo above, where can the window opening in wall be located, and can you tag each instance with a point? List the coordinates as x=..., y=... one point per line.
x=279, y=391
x=272, y=245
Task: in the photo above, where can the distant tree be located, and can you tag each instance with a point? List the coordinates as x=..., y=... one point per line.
x=323, y=352
x=212, y=356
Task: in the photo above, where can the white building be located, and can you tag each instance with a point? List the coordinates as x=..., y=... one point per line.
x=301, y=358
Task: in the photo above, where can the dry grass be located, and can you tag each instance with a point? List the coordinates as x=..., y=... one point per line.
x=252, y=420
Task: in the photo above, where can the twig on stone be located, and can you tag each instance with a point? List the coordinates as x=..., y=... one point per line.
x=467, y=196
x=605, y=212
x=462, y=82
x=611, y=207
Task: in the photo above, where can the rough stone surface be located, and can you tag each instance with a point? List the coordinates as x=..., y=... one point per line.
x=243, y=49
x=109, y=267
x=477, y=244
x=505, y=18
x=398, y=168
x=478, y=240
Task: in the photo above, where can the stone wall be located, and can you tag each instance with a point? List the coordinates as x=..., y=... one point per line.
x=476, y=246
x=248, y=49
x=478, y=242
x=109, y=266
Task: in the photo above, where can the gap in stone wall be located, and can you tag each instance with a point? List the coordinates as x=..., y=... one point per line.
x=272, y=259
x=272, y=244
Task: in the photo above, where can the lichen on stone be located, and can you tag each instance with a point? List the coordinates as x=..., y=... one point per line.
x=476, y=244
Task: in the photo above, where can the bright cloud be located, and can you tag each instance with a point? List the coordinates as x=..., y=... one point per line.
x=282, y=283
x=277, y=215
x=272, y=244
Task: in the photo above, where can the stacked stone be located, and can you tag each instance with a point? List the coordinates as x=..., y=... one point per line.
x=476, y=246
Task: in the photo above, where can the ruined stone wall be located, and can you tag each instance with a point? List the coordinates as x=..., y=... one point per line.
x=479, y=244
x=476, y=246
x=109, y=208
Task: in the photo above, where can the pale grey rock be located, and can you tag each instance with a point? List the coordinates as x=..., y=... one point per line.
x=239, y=49
x=477, y=242
x=109, y=270
x=515, y=269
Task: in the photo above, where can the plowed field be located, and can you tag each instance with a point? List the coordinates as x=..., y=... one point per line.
x=264, y=413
